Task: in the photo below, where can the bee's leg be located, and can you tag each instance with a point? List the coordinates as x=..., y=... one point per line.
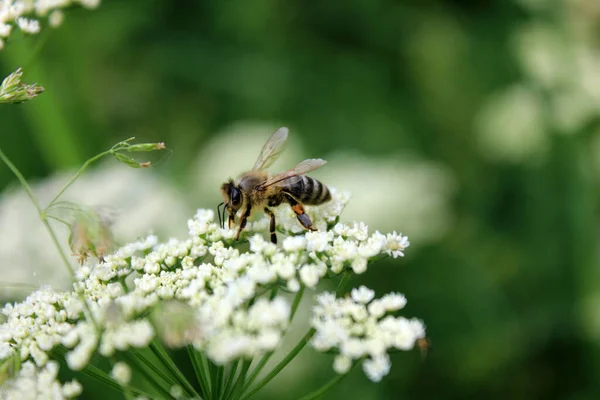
x=300, y=214
x=271, y=225
x=243, y=220
x=231, y=220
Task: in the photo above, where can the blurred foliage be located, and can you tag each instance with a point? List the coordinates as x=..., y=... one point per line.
x=510, y=295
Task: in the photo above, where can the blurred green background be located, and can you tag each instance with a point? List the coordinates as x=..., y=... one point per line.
x=500, y=99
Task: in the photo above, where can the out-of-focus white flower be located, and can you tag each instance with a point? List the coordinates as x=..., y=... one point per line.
x=394, y=191
x=26, y=14
x=342, y=364
x=564, y=64
x=27, y=25
x=27, y=254
x=56, y=18
x=511, y=126
x=5, y=29
x=377, y=367
x=121, y=373
x=72, y=389
x=561, y=63
x=90, y=3
x=358, y=328
x=362, y=295
x=32, y=382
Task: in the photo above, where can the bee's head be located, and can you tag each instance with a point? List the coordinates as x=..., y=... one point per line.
x=232, y=196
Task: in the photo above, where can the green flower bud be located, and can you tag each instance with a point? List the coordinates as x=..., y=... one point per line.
x=127, y=160
x=13, y=91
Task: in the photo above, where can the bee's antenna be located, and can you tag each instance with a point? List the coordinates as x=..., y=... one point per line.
x=221, y=220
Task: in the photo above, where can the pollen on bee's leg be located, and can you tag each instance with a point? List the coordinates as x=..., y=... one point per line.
x=298, y=209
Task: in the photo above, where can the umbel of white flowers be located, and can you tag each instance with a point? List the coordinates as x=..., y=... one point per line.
x=26, y=14
x=225, y=294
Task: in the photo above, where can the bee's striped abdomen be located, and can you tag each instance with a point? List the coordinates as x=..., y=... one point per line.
x=309, y=191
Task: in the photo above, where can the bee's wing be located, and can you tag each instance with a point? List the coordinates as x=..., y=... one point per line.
x=293, y=174
x=272, y=149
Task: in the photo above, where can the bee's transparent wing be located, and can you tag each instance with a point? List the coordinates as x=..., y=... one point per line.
x=292, y=175
x=272, y=149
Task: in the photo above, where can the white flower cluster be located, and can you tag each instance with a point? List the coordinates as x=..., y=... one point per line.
x=359, y=326
x=227, y=294
x=25, y=14
x=32, y=383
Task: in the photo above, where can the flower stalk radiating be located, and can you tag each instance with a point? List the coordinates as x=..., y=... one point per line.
x=233, y=306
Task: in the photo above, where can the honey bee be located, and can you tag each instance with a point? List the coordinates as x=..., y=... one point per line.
x=257, y=189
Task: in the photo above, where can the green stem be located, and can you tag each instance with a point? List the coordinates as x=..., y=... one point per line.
x=303, y=342
x=141, y=359
x=102, y=377
x=77, y=174
x=201, y=373
x=296, y=303
x=326, y=387
x=229, y=381
x=346, y=275
x=218, y=387
x=53, y=236
x=261, y=364
x=263, y=361
x=162, y=355
x=207, y=367
x=153, y=375
x=239, y=384
x=282, y=364
x=58, y=219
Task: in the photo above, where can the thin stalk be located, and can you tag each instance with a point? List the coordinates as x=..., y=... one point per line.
x=261, y=364
x=162, y=355
x=201, y=374
x=77, y=174
x=58, y=219
x=263, y=361
x=343, y=282
x=326, y=387
x=102, y=377
x=206, y=367
x=303, y=342
x=282, y=364
x=296, y=303
x=230, y=376
x=239, y=384
x=155, y=369
x=218, y=387
x=147, y=370
x=53, y=236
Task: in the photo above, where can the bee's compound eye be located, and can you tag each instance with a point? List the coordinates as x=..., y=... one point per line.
x=236, y=196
